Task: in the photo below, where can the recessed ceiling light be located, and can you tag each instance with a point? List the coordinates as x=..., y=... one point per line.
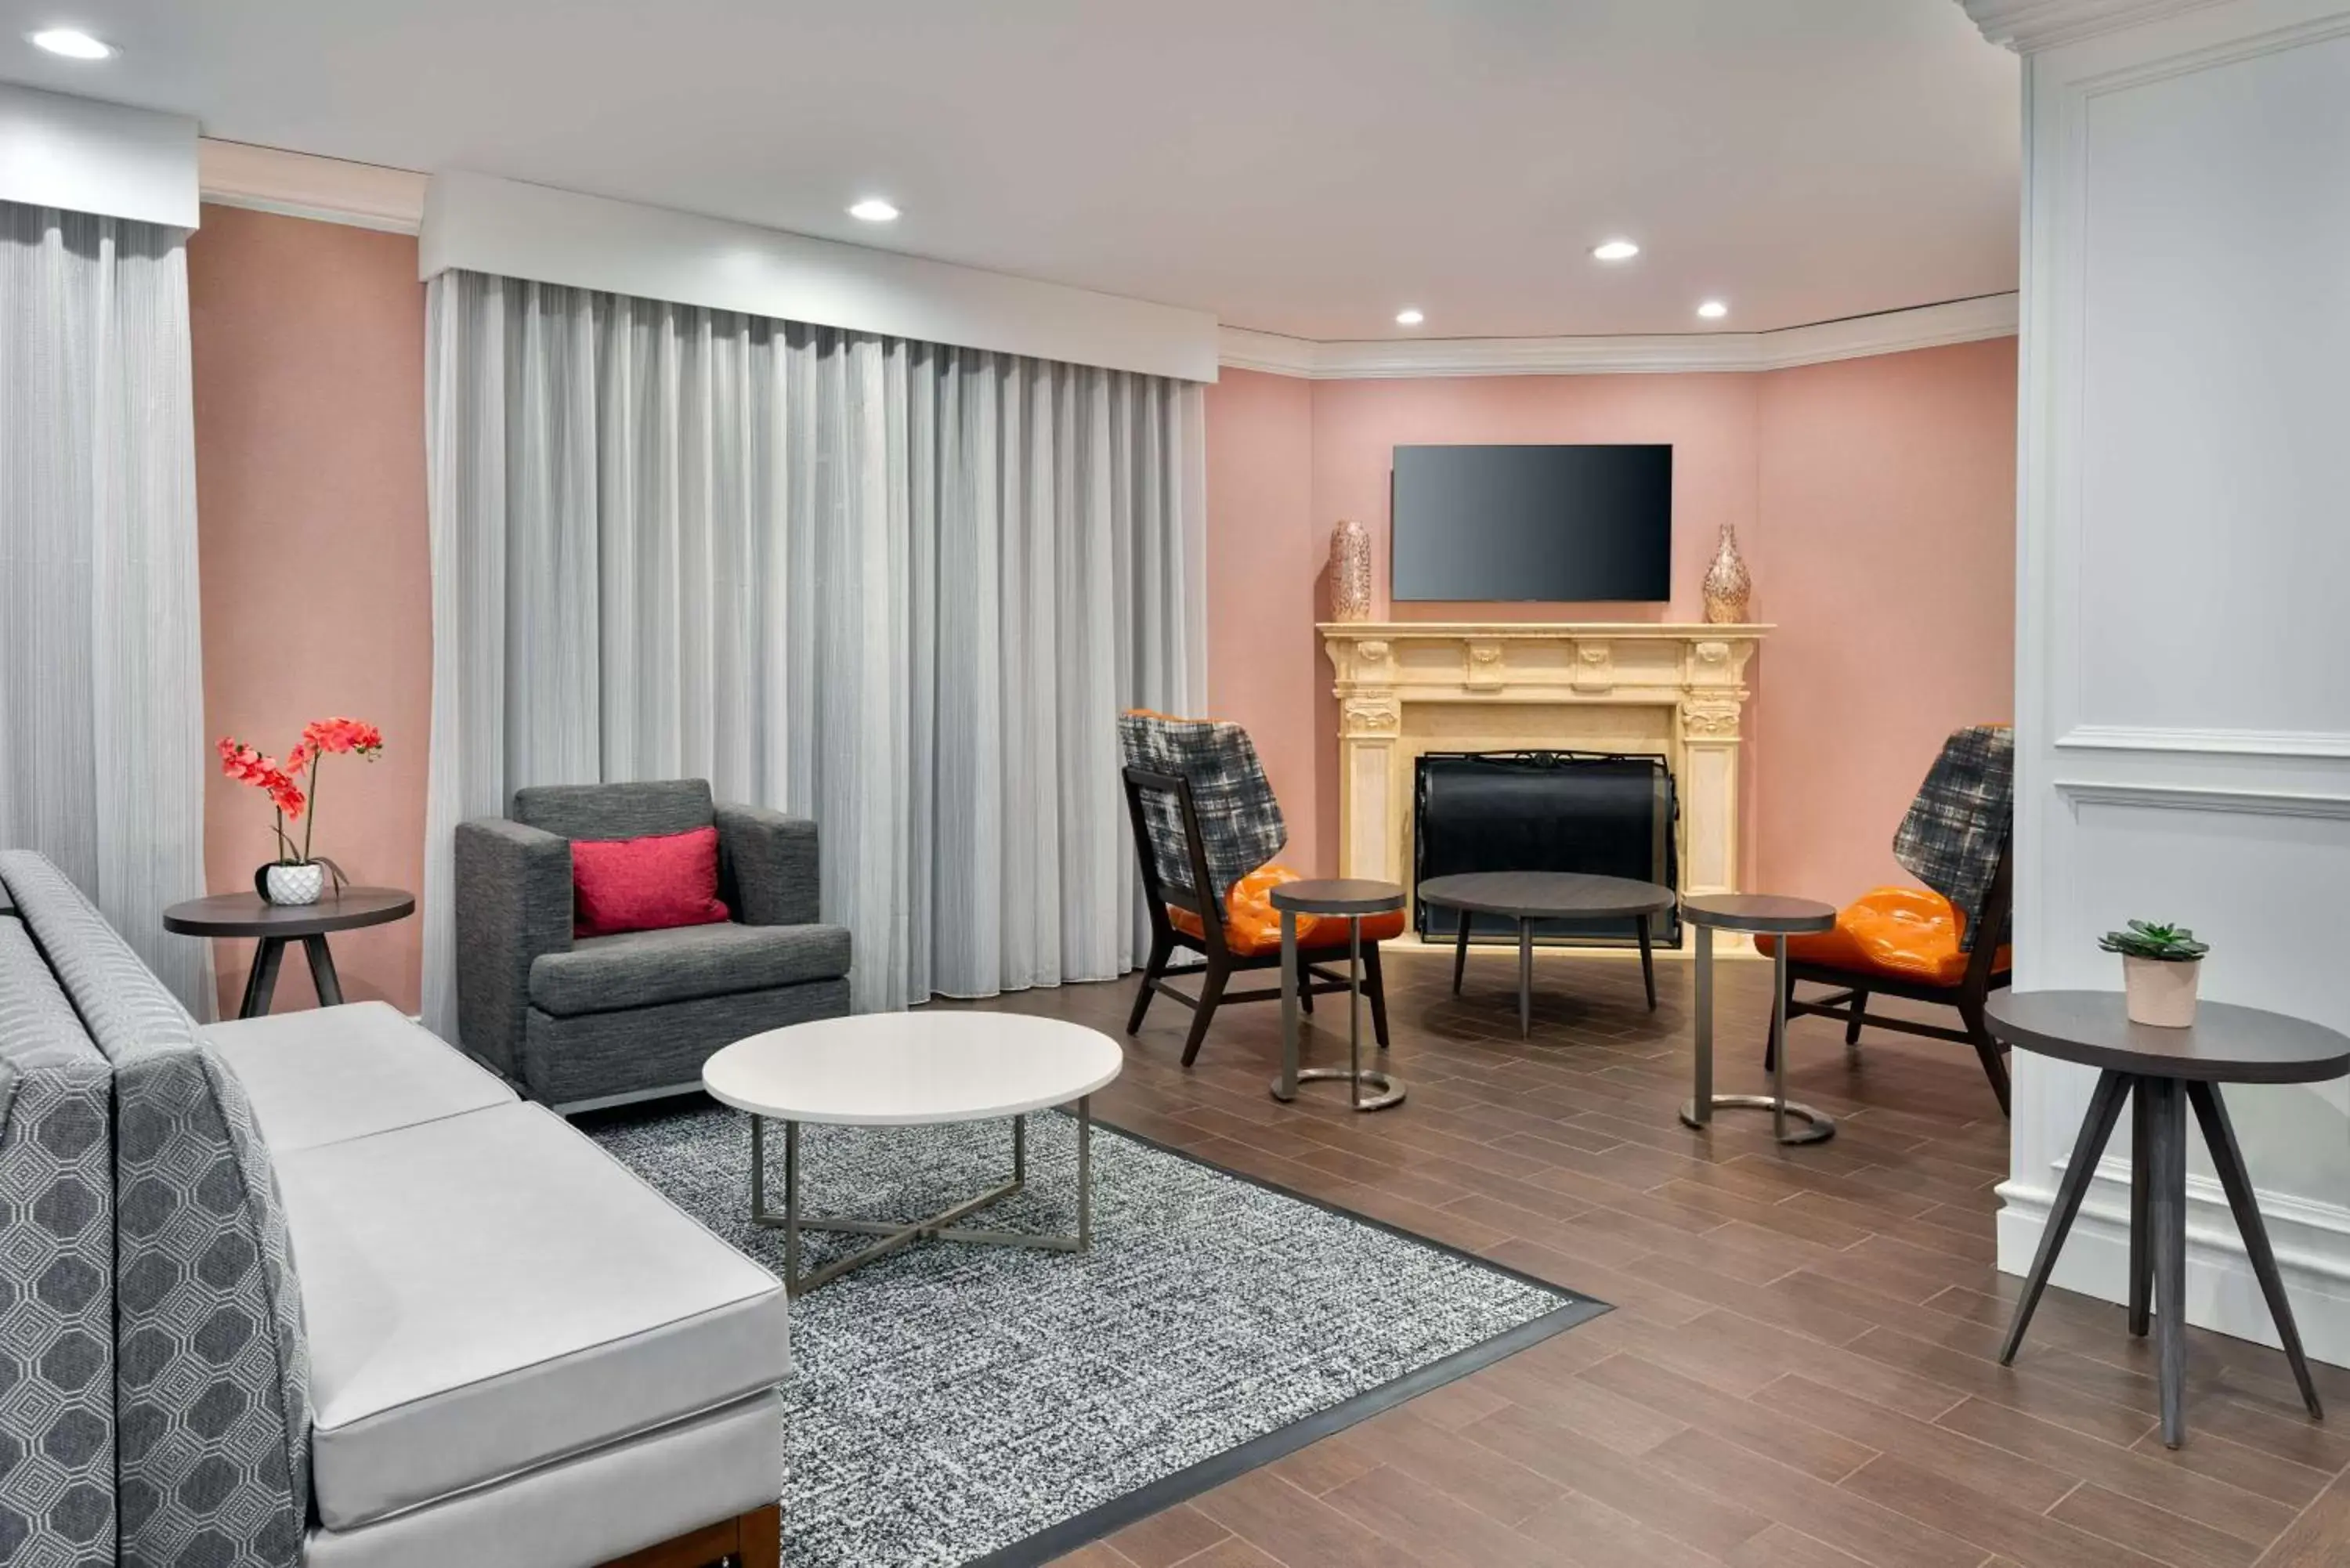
x=1713, y=310
x=1409, y=317
x=72, y=42
x=1614, y=249
x=874, y=210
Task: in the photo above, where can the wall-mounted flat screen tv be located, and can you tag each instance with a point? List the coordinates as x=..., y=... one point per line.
x=1533, y=523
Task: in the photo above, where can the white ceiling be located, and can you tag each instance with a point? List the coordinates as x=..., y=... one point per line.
x=1299, y=166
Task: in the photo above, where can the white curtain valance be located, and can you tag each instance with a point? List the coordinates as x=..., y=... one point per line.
x=900, y=588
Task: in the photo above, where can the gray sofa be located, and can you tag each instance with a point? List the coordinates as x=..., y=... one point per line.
x=601, y=1021
x=316, y=1288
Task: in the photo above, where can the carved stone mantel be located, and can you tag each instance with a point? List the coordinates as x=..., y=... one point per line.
x=1405, y=688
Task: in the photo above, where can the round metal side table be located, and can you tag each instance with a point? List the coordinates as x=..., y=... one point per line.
x=1760, y=914
x=1352, y=899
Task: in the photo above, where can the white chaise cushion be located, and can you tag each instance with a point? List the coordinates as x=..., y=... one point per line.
x=328, y=1073
x=489, y=1293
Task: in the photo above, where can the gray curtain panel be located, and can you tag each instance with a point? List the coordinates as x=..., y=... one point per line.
x=902, y=589
x=101, y=689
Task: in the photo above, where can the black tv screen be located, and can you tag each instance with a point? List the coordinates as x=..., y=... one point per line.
x=1533, y=523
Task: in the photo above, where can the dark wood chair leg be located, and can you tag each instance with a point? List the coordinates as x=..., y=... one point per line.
x=761, y=1538
x=1212, y=992
x=1375, y=982
x=1152, y=969
x=1647, y=964
x=1852, y=1025
x=1771, y=1031
x=2227, y=1160
x=1994, y=1065
x=2096, y=1127
x=2141, y=1258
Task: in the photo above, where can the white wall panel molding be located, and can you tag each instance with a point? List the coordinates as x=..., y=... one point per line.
x=324, y=190
x=485, y=224
x=2179, y=496
x=2207, y=743
x=85, y=156
x=1698, y=353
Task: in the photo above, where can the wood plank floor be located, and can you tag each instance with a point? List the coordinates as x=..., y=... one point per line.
x=1801, y=1369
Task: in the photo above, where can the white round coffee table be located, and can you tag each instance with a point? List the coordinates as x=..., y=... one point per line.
x=910, y=1069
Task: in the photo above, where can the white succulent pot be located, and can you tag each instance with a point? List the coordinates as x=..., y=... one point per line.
x=2161, y=991
x=296, y=884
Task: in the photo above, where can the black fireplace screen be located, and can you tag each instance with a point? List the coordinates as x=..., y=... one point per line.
x=1544, y=811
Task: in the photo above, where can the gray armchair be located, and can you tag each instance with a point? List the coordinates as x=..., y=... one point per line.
x=600, y=1021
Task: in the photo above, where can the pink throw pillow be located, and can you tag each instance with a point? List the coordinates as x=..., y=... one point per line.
x=645, y=884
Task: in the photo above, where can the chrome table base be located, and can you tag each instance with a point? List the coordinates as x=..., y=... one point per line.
x=1384, y=1090
x=1698, y=1112
x=896, y=1234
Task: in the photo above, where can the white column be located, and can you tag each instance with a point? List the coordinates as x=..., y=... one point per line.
x=2182, y=705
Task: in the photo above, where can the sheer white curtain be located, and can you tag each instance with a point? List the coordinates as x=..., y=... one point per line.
x=102, y=694
x=902, y=589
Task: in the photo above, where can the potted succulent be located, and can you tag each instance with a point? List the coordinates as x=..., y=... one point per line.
x=295, y=876
x=2161, y=966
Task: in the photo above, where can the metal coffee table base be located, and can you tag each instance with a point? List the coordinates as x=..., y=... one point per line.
x=1699, y=1111
x=896, y=1234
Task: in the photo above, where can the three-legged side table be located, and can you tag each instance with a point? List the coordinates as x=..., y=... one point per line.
x=2161, y=1073
x=250, y=915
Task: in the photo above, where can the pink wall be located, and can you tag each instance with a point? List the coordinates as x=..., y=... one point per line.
x=313, y=553
x=1851, y=485
x=1886, y=553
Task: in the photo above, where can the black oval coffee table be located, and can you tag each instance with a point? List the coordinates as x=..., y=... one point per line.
x=2161, y=1071
x=250, y=915
x=1526, y=896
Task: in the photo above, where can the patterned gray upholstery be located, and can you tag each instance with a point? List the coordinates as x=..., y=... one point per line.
x=212, y=1406
x=1240, y=821
x=56, y=1273
x=616, y=810
x=1955, y=832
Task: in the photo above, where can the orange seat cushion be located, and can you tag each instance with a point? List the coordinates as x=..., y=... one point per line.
x=1253, y=926
x=1906, y=932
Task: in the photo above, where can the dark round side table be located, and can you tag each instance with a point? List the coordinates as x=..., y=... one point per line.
x=2161, y=1071
x=1352, y=899
x=250, y=915
x=1758, y=914
x=1526, y=896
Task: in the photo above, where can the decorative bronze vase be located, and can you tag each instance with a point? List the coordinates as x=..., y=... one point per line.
x=1727, y=583
x=1350, y=572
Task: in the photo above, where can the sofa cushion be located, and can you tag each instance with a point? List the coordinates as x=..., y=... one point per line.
x=644, y=968
x=57, y=1250
x=328, y=1073
x=490, y=1292
x=212, y=1401
x=616, y=810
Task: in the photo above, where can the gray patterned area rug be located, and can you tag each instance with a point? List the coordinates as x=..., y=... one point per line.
x=956, y=1404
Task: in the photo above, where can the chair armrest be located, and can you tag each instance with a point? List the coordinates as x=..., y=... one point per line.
x=768, y=866
x=513, y=903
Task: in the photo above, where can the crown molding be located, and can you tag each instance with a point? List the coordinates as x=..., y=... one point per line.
x=2028, y=25
x=297, y=185
x=1892, y=332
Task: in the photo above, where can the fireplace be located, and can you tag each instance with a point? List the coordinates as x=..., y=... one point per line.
x=1608, y=814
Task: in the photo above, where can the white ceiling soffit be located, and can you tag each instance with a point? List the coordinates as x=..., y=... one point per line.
x=84, y=156
x=515, y=230
x=1893, y=332
x=2025, y=26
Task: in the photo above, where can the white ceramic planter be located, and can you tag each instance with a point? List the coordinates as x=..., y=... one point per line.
x=2161, y=991
x=299, y=884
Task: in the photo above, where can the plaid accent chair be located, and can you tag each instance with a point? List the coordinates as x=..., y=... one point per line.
x=1929, y=944
x=1206, y=827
